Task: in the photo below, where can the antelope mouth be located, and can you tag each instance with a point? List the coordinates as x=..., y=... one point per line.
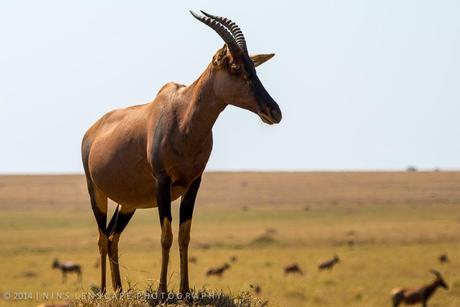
x=266, y=119
x=270, y=117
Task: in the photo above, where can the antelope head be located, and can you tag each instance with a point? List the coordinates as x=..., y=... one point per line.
x=234, y=71
x=55, y=264
x=439, y=279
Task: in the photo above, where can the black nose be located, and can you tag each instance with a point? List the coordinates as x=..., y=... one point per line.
x=276, y=115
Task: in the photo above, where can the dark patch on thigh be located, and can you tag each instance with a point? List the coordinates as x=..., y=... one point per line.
x=163, y=190
x=157, y=140
x=188, y=201
x=101, y=217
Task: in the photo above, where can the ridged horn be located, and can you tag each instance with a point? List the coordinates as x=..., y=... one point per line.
x=221, y=30
x=233, y=28
x=436, y=273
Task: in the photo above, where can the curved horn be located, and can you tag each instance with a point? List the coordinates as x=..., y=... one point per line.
x=233, y=27
x=221, y=30
x=436, y=273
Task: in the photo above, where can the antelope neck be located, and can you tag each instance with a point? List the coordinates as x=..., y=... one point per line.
x=202, y=108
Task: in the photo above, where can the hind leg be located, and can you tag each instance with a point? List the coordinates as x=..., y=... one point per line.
x=99, y=206
x=116, y=226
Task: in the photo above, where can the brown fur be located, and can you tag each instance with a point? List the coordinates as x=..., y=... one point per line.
x=328, y=264
x=418, y=295
x=443, y=258
x=67, y=267
x=128, y=151
x=219, y=271
x=293, y=269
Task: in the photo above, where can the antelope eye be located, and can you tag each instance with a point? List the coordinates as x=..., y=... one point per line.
x=235, y=68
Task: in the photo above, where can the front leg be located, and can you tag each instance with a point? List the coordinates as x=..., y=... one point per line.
x=186, y=211
x=163, y=191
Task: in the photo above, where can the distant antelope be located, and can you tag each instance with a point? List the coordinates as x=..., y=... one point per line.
x=257, y=289
x=443, y=258
x=67, y=267
x=328, y=264
x=351, y=243
x=419, y=295
x=148, y=155
x=219, y=271
x=293, y=269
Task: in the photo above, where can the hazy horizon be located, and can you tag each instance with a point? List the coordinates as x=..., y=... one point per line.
x=362, y=86
x=256, y=171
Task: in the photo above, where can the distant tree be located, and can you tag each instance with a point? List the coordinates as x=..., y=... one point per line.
x=411, y=168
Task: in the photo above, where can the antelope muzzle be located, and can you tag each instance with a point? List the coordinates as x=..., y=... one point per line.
x=269, y=111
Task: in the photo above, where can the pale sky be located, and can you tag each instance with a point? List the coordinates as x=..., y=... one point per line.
x=363, y=85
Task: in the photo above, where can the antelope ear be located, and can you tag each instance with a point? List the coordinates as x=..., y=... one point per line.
x=219, y=58
x=261, y=58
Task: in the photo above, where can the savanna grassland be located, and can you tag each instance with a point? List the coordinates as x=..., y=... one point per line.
x=388, y=229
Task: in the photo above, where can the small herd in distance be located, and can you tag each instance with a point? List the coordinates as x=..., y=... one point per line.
x=408, y=296
x=149, y=155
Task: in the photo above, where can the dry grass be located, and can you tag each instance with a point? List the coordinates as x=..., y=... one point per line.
x=258, y=189
x=399, y=224
x=148, y=298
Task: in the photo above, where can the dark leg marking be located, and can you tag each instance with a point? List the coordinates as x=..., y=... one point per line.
x=100, y=213
x=121, y=222
x=112, y=221
x=186, y=213
x=188, y=201
x=99, y=203
x=116, y=226
x=101, y=217
x=163, y=190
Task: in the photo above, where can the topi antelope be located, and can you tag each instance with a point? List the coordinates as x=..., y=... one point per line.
x=293, y=269
x=418, y=295
x=443, y=258
x=257, y=289
x=328, y=264
x=67, y=267
x=148, y=155
x=219, y=271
